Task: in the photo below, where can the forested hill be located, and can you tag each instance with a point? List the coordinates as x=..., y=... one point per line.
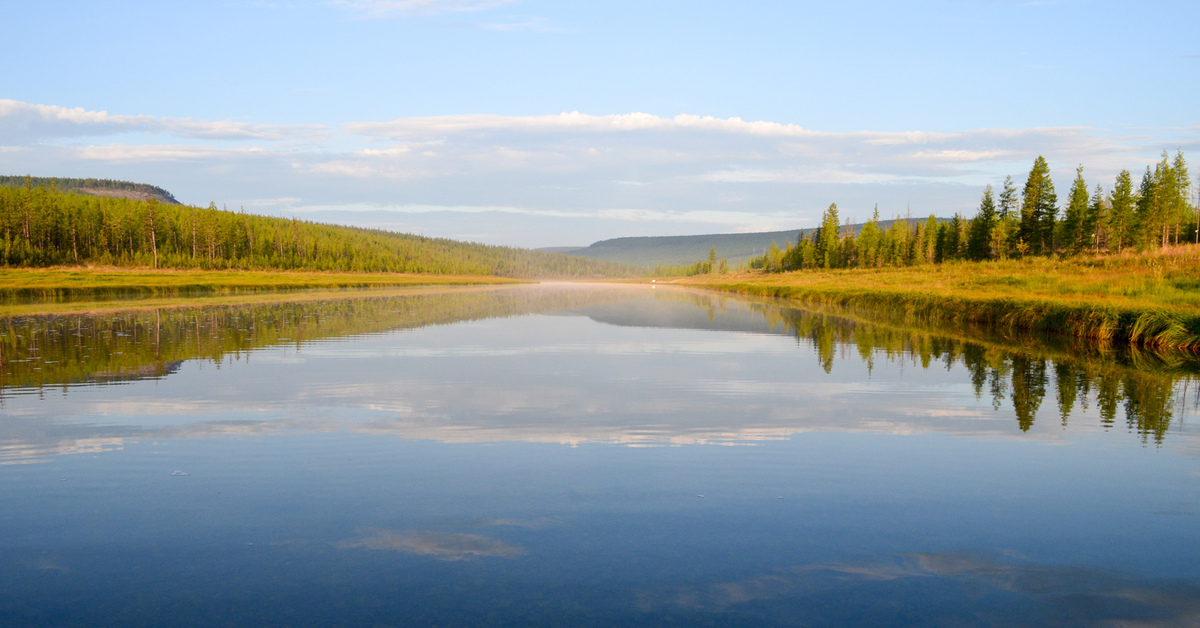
x=43, y=227
x=654, y=251
x=95, y=187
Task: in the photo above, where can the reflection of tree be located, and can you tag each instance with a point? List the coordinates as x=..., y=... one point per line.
x=1148, y=405
x=1028, y=389
x=1065, y=387
x=40, y=351
x=1145, y=384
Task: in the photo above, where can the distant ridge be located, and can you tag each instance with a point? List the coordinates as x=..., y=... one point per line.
x=650, y=251
x=94, y=187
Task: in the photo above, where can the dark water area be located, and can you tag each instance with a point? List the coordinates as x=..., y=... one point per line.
x=586, y=455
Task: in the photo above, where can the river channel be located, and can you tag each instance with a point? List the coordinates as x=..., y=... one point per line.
x=586, y=455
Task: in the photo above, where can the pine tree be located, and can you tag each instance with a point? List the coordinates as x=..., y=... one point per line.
x=1121, y=218
x=827, y=238
x=1093, y=221
x=1146, y=209
x=868, y=242
x=1039, y=208
x=1072, y=231
x=979, y=242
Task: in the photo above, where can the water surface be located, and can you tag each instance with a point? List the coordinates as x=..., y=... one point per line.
x=586, y=455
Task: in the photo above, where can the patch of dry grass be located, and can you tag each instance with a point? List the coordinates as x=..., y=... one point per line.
x=1148, y=298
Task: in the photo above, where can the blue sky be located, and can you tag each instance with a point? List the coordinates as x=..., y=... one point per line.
x=545, y=123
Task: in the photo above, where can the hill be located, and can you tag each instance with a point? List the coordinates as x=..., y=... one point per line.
x=651, y=251
x=94, y=187
x=41, y=226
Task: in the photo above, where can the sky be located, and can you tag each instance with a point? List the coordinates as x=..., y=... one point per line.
x=535, y=123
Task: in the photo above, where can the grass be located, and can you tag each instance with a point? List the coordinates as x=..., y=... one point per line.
x=1149, y=299
x=26, y=291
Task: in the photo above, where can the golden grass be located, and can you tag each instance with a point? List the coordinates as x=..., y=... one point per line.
x=1151, y=298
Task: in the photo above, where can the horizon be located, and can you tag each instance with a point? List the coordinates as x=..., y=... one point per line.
x=534, y=124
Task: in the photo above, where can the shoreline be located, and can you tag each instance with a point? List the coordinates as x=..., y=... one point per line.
x=1146, y=300
x=73, y=290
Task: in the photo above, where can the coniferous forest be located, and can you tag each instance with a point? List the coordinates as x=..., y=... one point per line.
x=42, y=226
x=1013, y=223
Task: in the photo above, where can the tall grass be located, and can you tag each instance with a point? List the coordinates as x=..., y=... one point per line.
x=1149, y=299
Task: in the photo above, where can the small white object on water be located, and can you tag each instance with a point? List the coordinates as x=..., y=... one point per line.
x=700, y=496
x=178, y=472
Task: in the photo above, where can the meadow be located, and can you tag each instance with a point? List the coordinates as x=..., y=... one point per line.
x=1149, y=299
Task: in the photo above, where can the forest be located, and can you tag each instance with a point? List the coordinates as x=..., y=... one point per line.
x=1155, y=214
x=43, y=226
x=97, y=187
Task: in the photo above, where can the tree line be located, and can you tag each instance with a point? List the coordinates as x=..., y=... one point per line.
x=100, y=187
x=1155, y=214
x=41, y=226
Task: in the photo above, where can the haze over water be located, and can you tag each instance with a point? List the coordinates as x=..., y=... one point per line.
x=586, y=455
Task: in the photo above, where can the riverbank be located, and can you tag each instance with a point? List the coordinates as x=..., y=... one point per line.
x=1149, y=299
x=73, y=289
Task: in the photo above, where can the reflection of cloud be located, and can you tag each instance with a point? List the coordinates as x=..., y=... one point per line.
x=528, y=524
x=1074, y=595
x=441, y=545
x=20, y=451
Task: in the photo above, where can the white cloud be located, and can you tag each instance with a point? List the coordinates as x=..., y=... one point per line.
x=569, y=122
x=570, y=177
x=158, y=152
x=406, y=8
x=27, y=122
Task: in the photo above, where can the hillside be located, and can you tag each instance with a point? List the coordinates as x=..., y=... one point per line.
x=94, y=187
x=652, y=251
x=45, y=227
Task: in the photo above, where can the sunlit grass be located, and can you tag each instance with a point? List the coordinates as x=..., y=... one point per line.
x=1150, y=298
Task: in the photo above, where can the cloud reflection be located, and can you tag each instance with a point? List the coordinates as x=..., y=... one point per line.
x=992, y=589
x=441, y=545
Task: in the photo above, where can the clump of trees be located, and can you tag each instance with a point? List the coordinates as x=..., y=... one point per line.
x=702, y=267
x=1155, y=214
x=40, y=226
x=99, y=187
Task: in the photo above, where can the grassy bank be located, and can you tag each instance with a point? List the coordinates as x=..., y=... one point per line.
x=23, y=288
x=1150, y=299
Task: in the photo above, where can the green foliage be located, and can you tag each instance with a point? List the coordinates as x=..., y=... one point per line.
x=826, y=239
x=1039, y=208
x=979, y=242
x=97, y=187
x=1122, y=222
x=43, y=227
x=1003, y=227
x=1073, y=237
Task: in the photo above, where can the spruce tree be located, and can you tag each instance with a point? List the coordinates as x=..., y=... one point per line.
x=1039, y=208
x=827, y=238
x=1072, y=238
x=1146, y=211
x=1121, y=218
x=1092, y=230
x=979, y=242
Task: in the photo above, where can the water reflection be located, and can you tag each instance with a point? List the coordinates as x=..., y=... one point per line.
x=549, y=380
x=959, y=588
x=441, y=545
x=62, y=350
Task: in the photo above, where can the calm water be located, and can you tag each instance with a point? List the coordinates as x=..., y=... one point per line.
x=559, y=455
